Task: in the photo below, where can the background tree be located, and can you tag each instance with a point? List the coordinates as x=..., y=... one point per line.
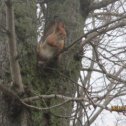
x=63, y=95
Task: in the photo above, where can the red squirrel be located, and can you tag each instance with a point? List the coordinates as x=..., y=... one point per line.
x=52, y=46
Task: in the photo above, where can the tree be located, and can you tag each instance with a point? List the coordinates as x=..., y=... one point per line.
x=91, y=73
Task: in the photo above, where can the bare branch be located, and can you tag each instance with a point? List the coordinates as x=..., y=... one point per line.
x=101, y=4
x=52, y=96
x=107, y=14
x=96, y=30
x=14, y=65
x=104, y=70
x=66, y=99
x=93, y=70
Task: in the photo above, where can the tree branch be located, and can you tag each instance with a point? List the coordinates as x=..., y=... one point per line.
x=116, y=78
x=98, y=31
x=101, y=4
x=52, y=96
x=14, y=65
x=65, y=98
x=107, y=14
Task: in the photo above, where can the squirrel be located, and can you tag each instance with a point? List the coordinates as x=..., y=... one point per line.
x=53, y=44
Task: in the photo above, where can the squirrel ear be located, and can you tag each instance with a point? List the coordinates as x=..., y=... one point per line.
x=59, y=26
